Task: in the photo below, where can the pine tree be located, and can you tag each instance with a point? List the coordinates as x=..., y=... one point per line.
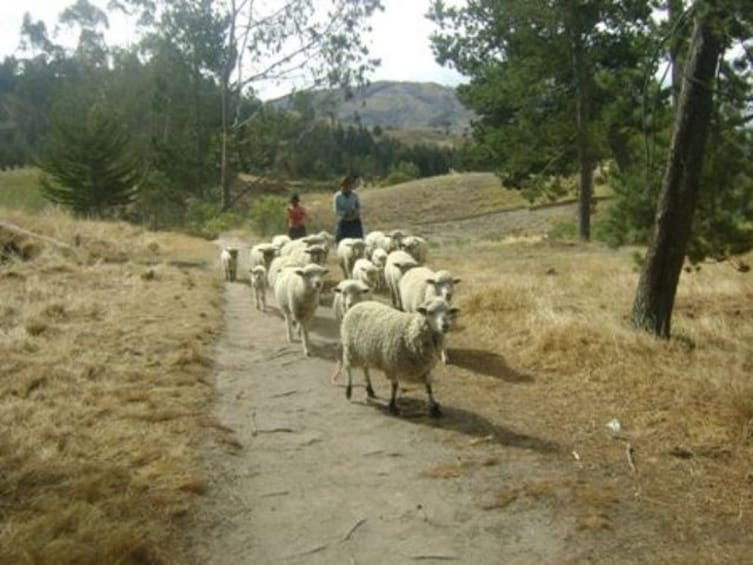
x=87, y=165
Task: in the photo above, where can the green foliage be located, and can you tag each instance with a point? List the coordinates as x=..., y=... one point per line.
x=267, y=215
x=88, y=165
x=20, y=190
x=563, y=231
x=206, y=219
x=404, y=171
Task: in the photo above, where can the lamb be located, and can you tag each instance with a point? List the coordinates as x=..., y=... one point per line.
x=348, y=293
x=417, y=246
x=379, y=258
x=405, y=346
x=229, y=262
x=398, y=262
x=261, y=254
x=366, y=272
x=258, y=278
x=421, y=284
x=297, y=293
x=348, y=251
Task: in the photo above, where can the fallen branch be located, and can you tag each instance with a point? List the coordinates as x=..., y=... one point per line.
x=283, y=394
x=629, y=455
x=438, y=557
x=353, y=529
x=21, y=231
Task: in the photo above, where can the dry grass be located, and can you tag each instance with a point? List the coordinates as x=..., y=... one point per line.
x=106, y=354
x=546, y=348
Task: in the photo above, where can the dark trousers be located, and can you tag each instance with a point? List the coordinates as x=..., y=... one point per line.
x=348, y=228
x=297, y=232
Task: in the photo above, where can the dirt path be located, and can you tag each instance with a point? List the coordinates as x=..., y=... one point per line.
x=319, y=479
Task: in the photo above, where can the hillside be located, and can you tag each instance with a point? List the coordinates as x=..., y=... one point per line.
x=421, y=106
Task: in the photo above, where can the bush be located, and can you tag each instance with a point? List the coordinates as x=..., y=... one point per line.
x=207, y=220
x=267, y=215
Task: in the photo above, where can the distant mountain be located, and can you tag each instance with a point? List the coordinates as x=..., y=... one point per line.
x=403, y=105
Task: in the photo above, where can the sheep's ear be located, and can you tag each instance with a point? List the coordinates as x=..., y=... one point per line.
x=299, y=272
x=454, y=311
x=422, y=310
x=337, y=289
x=325, y=271
x=431, y=281
x=456, y=281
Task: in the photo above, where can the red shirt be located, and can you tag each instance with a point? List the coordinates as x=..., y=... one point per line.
x=296, y=215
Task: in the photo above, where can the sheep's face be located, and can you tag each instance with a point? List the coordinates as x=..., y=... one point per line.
x=379, y=257
x=269, y=253
x=317, y=254
x=439, y=314
x=359, y=248
x=313, y=276
x=352, y=294
x=444, y=285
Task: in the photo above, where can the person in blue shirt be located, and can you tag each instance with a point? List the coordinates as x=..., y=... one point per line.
x=347, y=208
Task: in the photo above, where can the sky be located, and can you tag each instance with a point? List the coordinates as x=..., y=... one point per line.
x=400, y=38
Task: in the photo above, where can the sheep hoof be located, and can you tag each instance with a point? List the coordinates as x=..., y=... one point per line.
x=392, y=407
x=435, y=411
x=370, y=392
x=348, y=391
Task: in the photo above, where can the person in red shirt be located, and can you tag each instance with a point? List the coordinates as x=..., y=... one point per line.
x=296, y=218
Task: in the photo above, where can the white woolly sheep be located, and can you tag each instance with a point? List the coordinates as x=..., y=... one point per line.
x=379, y=258
x=398, y=262
x=417, y=246
x=348, y=293
x=258, y=279
x=405, y=346
x=366, y=272
x=279, y=241
x=421, y=284
x=313, y=254
x=349, y=250
x=261, y=254
x=297, y=293
x=229, y=262
x=295, y=245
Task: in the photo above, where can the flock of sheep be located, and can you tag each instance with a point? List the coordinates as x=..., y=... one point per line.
x=404, y=340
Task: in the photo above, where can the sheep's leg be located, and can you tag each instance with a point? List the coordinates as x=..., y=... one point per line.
x=393, y=397
x=304, y=337
x=288, y=326
x=434, y=410
x=349, y=387
x=445, y=357
x=369, y=388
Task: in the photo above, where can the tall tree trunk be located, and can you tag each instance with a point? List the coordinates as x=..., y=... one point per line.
x=675, y=10
x=654, y=299
x=225, y=96
x=583, y=76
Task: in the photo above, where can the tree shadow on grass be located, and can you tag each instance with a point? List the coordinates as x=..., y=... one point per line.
x=486, y=363
x=414, y=411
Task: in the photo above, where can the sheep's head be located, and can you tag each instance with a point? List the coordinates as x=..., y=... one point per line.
x=232, y=251
x=359, y=247
x=444, y=284
x=258, y=276
x=317, y=254
x=379, y=257
x=312, y=275
x=352, y=292
x=439, y=314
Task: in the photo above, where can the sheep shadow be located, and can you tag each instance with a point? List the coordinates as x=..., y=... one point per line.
x=486, y=363
x=414, y=411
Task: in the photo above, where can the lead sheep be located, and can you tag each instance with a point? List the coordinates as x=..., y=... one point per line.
x=313, y=254
x=349, y=250
x=297, y=293
x=229, y=262
x=405, y=346
x=421, y=284
x=398, y=262
x=258, y=279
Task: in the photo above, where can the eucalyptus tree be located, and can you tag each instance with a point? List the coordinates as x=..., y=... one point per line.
x=703, y=105
x=543, y=73
x=242, y=44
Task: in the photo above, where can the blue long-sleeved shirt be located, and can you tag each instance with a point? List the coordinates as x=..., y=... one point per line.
x=346, y=206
